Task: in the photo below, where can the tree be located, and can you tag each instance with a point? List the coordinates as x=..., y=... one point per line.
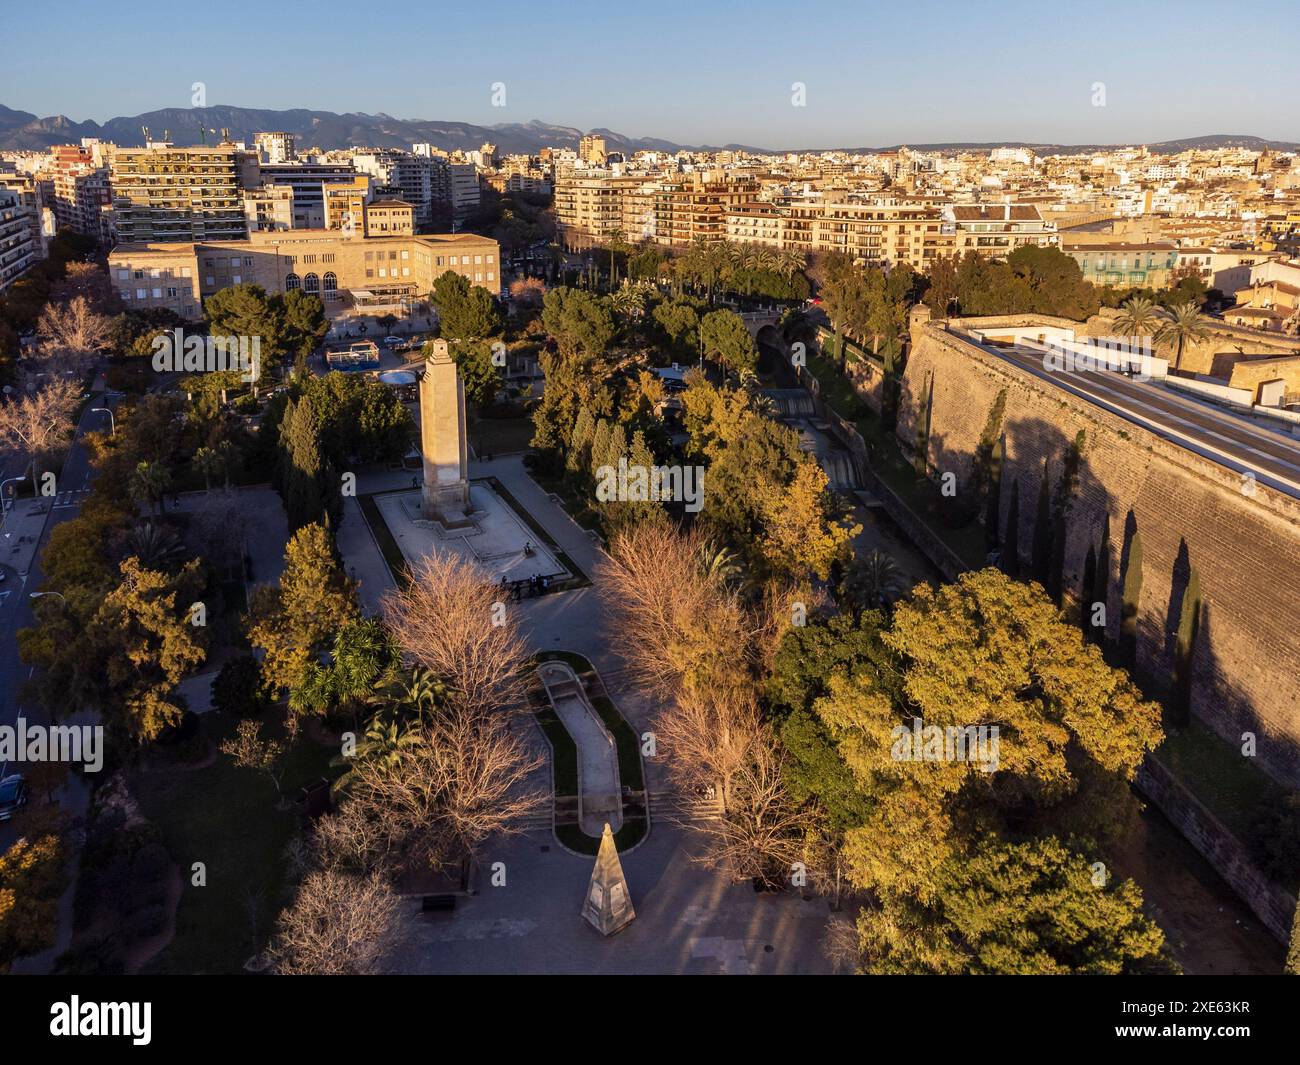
x=581, y=324
x=1139, y=317
x=1028, y=908
x=336, y=925
x=480, y=375
x=1186, y=325
x=209, y=462
x=239, y=690
x=294, y=621
x=465, y=311
x=679, y=322
x=873, y=581
x=303, y=320
x=32, y=878
x=450, y=619
x=724, y=337
x=249, y=750
x=798, y=540
x=72, y=332
x=1292, y=967
x=463, y=778
x=245, y=311
x=150, y=482
x=36, y=422
x=306, y=483
x=139, y=646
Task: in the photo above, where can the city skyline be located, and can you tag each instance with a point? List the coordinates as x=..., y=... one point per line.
x=862, y=82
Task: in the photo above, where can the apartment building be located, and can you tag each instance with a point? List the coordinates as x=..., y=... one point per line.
x=268, y=208
x=276, y=147
x=81, y=189
x=1125, y=265
x=346, y=271
x=590, y=210
x=591, y=150
x=439, y=189
x=19, y=250
x=308, y=182
x=163, y=193
x=996, y=230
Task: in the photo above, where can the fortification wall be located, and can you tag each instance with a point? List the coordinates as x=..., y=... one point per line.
x=1189, y=512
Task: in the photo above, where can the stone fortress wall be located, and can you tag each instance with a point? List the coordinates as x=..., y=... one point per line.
x=1190, y=512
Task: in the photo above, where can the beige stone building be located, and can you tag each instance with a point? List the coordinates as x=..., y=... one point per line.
x=349, y=272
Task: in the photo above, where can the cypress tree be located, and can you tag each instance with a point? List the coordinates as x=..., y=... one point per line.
x=583, y=429
x=1100, y=592
x=1128, y=618
x=1189, y=623
x=1040, y=557
x=1011, y=542
x=1085, y=592
x=993, y=504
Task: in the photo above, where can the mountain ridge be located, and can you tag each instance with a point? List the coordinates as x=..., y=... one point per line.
x=327, y=130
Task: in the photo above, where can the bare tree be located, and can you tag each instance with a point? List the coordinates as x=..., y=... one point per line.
x=71, y=332
x=761, y=830
x=450, y=618
x=680, y=624
x=35, y=423
x=336, y=925
x=437, y=800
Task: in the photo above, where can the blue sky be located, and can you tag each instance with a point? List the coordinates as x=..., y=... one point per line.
x=694, y=72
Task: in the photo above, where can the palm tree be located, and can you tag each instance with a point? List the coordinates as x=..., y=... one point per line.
x=790, y=262
x=383, y=742
x=149, y=483
x=1186, y=324
x=718, y=564
x=209, y=462
x=1139, y=316
x=153, y=545
x=873, y=581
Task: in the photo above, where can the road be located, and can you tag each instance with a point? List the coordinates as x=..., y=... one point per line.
x=1206, y=430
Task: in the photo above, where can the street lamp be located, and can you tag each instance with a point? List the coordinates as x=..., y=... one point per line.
x=112, y=422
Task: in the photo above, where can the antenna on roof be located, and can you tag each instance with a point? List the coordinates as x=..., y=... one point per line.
x=145, y=131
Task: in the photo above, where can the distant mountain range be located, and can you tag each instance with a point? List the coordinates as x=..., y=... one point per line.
x=23, y=131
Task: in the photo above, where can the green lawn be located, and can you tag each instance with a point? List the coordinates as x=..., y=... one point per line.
x=227, y=818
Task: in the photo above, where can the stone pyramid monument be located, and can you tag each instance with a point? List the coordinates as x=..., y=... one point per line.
x=608, y=908
x=442, y=438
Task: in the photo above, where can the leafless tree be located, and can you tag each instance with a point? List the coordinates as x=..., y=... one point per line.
x=438, y=799
x=450, y=618
x=761, y=832
x=33, y=424
x=679, y=624
x=336, y=925
x=71, y=332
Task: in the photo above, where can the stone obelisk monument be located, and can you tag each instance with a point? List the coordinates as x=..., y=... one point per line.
x=442, y=438
x=608, y=907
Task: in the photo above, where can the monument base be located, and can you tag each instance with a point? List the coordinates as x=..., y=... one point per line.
x=447, y=504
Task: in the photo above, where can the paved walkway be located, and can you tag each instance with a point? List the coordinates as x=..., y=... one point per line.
x=598, y=781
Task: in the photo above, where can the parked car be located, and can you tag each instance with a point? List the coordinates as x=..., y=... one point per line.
x=13, y=795
x=393, y=342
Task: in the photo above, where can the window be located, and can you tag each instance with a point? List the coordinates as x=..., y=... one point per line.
x=489, y=259
x=171, y=293
x=157, y=293
x=236, y=279
x=124, y=275
x=291, y=282
x=406, y=271
x=331, y=283
x=234, y=262
x=383, y=271
x=311, y=283
x=406, y=254
x=478, y=260
x=185, y=271
x=141, y=293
